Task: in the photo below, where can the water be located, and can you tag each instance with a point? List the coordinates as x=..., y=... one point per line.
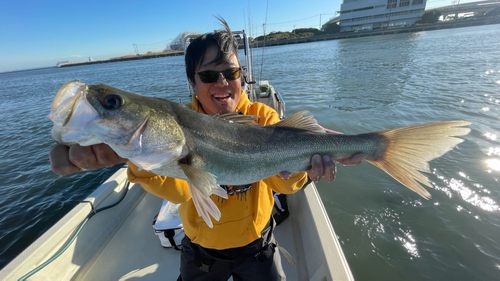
x=355, y=85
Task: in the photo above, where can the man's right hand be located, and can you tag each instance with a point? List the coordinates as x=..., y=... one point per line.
x=65, y=160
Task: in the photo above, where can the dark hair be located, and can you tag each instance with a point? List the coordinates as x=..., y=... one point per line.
x=226, y=45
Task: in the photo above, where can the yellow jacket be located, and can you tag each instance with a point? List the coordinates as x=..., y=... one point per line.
x=243, y=216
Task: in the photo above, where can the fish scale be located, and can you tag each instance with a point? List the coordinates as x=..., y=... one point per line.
x=171, y=140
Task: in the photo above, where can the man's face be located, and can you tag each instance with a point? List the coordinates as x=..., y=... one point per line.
x=221, y=96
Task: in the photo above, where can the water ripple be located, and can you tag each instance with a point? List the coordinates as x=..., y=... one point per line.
x=353, y=86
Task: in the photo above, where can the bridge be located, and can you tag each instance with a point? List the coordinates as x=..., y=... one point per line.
x=477, y=8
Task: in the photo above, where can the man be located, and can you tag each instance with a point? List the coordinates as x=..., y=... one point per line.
x=241, y=244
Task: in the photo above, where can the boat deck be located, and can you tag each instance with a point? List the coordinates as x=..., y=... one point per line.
x=141, y=255
x=120, y=243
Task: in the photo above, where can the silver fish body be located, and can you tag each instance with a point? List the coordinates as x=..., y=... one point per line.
x=171, y=140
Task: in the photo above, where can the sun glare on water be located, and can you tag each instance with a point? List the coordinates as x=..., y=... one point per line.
x=473, y=195
x=491, y=136
x=493, y=164
x=409, y=243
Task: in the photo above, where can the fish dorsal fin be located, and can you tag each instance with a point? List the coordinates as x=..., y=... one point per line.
x=237, y=118
x=299, y=121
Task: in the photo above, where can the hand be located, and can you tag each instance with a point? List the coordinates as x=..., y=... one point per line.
x=65, y=160
x=324, y=167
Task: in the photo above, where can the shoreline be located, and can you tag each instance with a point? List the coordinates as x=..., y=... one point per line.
x=138, y=57
x=377, y=32
x=333, y=36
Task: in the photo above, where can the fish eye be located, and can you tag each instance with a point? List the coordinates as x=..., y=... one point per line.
x=113, y=101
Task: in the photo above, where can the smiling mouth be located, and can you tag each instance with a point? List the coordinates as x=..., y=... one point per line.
x=222, y=97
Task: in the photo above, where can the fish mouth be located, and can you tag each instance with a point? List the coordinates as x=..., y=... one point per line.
x=72, y=114
x=63, y=106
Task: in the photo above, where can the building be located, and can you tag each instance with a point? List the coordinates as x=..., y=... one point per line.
x=178, y=42
x=356, y=15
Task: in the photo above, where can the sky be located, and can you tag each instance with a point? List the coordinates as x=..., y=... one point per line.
x=40, y=33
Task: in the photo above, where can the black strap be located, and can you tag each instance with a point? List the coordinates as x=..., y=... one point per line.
x=170, y=234
x=269, y=247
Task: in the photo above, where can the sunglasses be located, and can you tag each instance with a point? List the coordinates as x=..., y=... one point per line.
x=211, y=76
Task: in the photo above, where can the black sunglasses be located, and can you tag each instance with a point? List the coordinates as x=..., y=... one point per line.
x=211, y=76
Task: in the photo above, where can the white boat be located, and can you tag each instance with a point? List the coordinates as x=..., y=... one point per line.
x=119, y=243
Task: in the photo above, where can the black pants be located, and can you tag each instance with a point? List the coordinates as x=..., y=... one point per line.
x=200, y=264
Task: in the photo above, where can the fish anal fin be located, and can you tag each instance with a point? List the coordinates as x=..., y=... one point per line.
x=299, y=121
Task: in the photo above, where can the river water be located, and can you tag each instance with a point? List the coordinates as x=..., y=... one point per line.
x=353, y=85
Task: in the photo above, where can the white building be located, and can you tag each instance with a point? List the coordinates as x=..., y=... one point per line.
x=178, y=41
x=373, y=14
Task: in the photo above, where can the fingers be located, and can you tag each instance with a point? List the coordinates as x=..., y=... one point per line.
x=285, y=175
x=358, y=158
x=59, y=161
x=316, y=170
x=66, y=160
x=105, y=156
x=354, y=160
x=83, y=157
x=94, y=157
x=322, y=167
x=329, y=169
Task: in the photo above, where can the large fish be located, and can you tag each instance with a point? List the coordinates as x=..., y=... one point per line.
x=169, y=139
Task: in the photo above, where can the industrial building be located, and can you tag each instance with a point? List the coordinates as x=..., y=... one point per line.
x=358, y=15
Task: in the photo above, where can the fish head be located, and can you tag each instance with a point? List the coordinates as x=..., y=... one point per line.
x=132, y=125
x=119, y=118
x=70, y=114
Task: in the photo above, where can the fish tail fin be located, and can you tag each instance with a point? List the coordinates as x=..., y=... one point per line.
x=409, y=149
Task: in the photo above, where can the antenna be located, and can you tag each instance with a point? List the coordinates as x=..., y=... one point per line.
x=264, y=47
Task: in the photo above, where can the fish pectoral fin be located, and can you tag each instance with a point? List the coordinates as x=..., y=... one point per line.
x=201, y=185
x=153, y=161
x=204, y=181
x=298, y=121
x=235, y=117
x=204, y=205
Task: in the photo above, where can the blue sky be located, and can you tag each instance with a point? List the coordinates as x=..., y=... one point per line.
x=40, y=33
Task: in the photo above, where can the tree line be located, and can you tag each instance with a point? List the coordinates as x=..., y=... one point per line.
x=327, y=28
